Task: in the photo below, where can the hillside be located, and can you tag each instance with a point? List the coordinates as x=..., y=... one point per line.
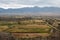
x=30, y=9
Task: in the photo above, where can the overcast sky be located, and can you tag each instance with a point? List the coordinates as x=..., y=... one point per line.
x=28, y=3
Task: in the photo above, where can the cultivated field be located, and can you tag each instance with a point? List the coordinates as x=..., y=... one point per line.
x=26, y=28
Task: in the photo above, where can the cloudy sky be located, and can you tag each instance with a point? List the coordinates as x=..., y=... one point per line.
x=28, y=3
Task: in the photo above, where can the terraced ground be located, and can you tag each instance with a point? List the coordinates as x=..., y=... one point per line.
x=26, y=28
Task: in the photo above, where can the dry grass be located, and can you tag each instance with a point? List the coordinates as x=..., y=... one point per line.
x=29, y=35
x=32, y=26
x=2, y=28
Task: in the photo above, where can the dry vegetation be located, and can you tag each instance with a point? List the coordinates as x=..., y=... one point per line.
x=26, y=28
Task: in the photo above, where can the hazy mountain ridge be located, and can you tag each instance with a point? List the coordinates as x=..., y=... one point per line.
x=30, y=9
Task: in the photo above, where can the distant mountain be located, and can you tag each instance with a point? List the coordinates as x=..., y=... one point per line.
x=30, y=10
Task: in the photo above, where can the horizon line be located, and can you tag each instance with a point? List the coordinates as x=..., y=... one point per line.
x=27, y=7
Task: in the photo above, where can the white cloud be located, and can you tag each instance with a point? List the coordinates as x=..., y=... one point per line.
x=14, y=6
x=28, y=3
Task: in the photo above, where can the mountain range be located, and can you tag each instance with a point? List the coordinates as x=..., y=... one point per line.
x=30, y=10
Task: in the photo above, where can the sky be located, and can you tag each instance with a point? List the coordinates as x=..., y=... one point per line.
x=28, y=3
